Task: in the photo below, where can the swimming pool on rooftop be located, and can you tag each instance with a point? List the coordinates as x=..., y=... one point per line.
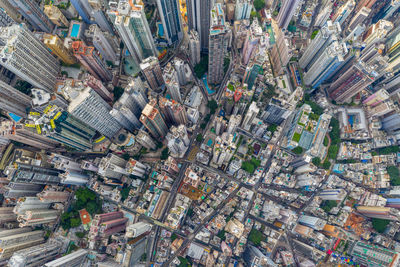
x=75, y=30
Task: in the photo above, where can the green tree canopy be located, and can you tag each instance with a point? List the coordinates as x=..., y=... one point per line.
x=297, y=150
x=259, y=4
x=316, y=161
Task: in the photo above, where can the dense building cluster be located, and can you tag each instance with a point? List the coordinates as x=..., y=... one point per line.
x=199, y=133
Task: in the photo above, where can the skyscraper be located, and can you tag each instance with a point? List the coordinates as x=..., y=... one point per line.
x=250, y=116
x=104, y=42
x=359, y=18
x=251, y=74
x=32, y=12
x=128, y=108
x=16, y=190
x=56, y=45
x=5, y=19
x=243, y=9
x=56, y=16
x=198, y=12
x=393, y=51
x=173, y=112
x=25, y=134
x=323, y=39
x=98, y=16
x=112, y=166
x=171, y=20
x=391, y=123
x=74, y=259
x=194, y=47
x=251, y=43
x=378, y=212
x=344, y=12
x=89, y=107
x=72, y=132
x=16, y=239
x=153, y=121
x=36, y=255
x=83, y=9
x=326, y=64
x=106, y=224
x=12, y=100
x=131, y=24
x=137, y=229
x=136, y=168
x=286, y=13
x=171, y=82
x=23, y=54
x=89, y=57
x=390, y=9
x=280, y=50
x=365, y=3
x=353, y=81
x=152, y=72
x=219, y=40
x=377, y=32
x=275, y=113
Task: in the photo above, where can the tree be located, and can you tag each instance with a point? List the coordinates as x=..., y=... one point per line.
x=379, y=224
x=85, y=194
x=221, y=234
x=272, y=128
x=326, y=165
x=75, y=222
x=212, y=105
x=333, y=151
x=259, y=4
x=23, y=87
x=125, y=156
x=255, y=14
x=164, y=153
x=326, y=141
x=202, y=67
x=125, y=193
x=248, y=167
x=227, y=62
x=394, y=174
x=80, y=234
x=313, y=34
x=316, y=161
x=335, y=132
x=173, y=237
x=256, y=236
x=199, y=138
x=327, y=205
x=297, y=150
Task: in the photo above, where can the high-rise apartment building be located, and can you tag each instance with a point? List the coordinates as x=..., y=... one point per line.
x=54, y=194
x=98, y=16
x=131, y=24
x=83, y=9
x=344, y=12
x=391, y=123
x=323, y=39
x=393, y=52
x=359, y=18
x=280, y=50
x=365, y=4
x=379, y=212
x=172, y=83
x=286, y=13
x=250, y=116
x=10, y=11
x=137, y=229
x=313, y=222
x=136, y=168
x=112, y=166
x=170, y=15
x=326, y=64
x=25, y=134
x=351, y=82
x=106, y=224
x=377, y=32
x=390, y=9
x=251, y=42
x=90, y=108
x=36, y=255
x=56, y=16
x=104, y=42
x=173, y=112
x=251, y=74
x=182, y=72
x=194, y=47
x=16, y=239
x=243, y=9
x=7, y=215
x=89, y=57
x=152, y=72
x=145, y=140
x=23, y=54
x=219, y=40
x=5, y=19
x=32, y=12
x=56, y=46
x=16, y=190
x=74, y=259
x=153, y=121
x=178, y=141
x=12, y=100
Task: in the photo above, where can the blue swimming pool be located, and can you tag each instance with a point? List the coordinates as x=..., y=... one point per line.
x=209, y=91
x=14, y=117
x=160, y=30
x=75, y=30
